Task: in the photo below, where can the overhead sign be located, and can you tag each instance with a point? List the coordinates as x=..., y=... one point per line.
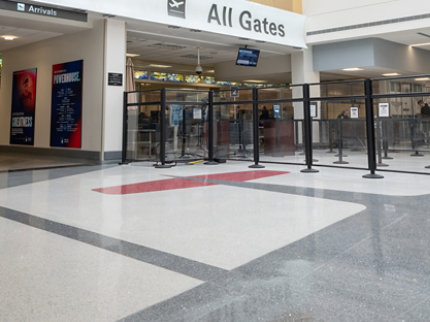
x=31, y=8
x=244, y=19
x=176, y=8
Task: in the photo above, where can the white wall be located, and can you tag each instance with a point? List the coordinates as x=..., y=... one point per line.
x=322, y=15
x=114, y=62
x=86, y=45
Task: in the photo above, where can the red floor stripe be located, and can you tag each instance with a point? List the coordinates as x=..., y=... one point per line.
x=184, y=183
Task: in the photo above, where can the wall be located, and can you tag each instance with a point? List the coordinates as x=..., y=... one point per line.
x=325, y=18
x=86, y=45
x=290, y=5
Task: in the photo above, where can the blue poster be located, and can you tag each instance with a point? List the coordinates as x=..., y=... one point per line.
x=175, y=115
x=23, y=107
x=66, y=116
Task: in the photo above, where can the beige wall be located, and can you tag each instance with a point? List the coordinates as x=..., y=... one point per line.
x=86, y=45
x=290, y=5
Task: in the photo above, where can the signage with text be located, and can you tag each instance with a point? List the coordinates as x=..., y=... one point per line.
x=234, y=18
x=66, y=115
x=31, y=8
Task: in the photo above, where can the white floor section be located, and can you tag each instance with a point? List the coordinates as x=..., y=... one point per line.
x=219, y=225
x=45, y=277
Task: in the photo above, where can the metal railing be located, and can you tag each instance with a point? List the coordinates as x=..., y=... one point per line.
x=222, y=111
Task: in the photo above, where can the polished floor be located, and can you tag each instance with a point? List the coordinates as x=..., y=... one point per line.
x=213, y=243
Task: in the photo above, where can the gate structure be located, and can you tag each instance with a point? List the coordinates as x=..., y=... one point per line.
x=373, y=124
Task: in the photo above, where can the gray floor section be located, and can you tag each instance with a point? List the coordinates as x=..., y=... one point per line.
x=373, y=266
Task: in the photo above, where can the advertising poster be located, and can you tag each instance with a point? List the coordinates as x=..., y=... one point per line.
x=66, y=116
x=23, y=107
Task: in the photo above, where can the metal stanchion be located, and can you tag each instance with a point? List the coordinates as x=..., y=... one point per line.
x=340, y=143
x=255, y=131
x=210, y=107
x=413, y=142
x=162, y=163
x=385, y=142
x=378, y=123
x=125, y=130
x=308, y=130
x=330, y=136
x=370, y=128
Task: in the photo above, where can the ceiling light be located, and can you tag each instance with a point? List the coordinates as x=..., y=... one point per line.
x=391, y=74
x=352, y=69
x=132, y=55
x=422, y=79
x=159, y=66
x=212, y=71
x=421, y=44
x=255, y=81
x=9, y=37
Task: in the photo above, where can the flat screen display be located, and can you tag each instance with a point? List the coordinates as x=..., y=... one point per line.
x=247, y=57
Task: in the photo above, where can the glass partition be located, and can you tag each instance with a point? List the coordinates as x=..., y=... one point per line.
x=143, y=126
x=233, y=128
x=186, y=125
x=403, y=134
x=339, y=133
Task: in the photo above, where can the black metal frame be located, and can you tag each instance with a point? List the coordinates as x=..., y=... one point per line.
x=368, y=96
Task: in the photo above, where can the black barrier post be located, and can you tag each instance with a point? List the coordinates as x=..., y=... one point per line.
x=340, y=142
x=162, y=163
x=125, y=129
x=380, y=143
x=370, y=128
x=210, y=107
x=386, y=123
x=414, y=127
x=256, y=135
x=307, y=122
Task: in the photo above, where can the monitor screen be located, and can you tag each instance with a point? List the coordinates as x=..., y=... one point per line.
x=247, y=57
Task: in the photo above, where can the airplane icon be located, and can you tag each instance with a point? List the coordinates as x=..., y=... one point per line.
x=175, y=4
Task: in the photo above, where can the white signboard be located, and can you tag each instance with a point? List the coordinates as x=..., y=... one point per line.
x=234, y=18
x=384, y=109
x=197, y=113
x=314, y=109
x=353, y=112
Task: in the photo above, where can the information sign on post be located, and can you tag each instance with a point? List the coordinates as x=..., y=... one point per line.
x=384, y=109
x=234, y=91
x=314, y=109
x=353, y=112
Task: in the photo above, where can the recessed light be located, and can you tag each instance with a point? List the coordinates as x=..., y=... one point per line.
x=422, y=79
x=132, y=55
x=352, y=69
x=9, y=37
x=255, y=81
x=421, y=44
x=391, y=74
x=159, y=66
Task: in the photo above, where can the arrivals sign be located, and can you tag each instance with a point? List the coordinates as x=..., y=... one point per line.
x=244, y=19
x=23, y=107
x=42, y=10
x=66, y=115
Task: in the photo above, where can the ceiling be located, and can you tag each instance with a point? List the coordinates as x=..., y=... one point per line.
x=177, y=47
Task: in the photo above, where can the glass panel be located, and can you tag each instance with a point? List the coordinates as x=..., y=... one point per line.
x=143, y=132
x=402, y=85
x=339, y=133
x=403, y=134
x=280, y=140
x=333, y=89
